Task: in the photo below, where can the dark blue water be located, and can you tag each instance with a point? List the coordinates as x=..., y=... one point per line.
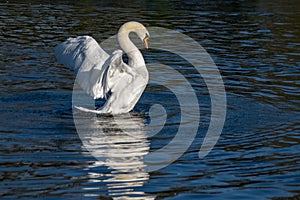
x=256, y=48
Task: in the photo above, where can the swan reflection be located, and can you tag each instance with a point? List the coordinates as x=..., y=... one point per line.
x=119, y=143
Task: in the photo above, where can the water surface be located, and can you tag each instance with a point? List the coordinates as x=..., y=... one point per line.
x=254, y=44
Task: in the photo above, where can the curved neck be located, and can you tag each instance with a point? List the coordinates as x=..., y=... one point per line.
x=135, y=58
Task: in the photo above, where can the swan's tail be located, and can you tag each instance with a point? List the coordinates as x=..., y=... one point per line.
x=88, y=110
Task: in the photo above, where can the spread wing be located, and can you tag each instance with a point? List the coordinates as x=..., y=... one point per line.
x=97, y=72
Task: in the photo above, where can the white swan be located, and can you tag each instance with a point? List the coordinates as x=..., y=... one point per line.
x=99, y=73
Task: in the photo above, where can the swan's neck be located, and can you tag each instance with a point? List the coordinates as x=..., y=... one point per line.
x=135, y=57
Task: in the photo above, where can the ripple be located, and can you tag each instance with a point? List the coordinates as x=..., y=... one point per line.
x=254, y=44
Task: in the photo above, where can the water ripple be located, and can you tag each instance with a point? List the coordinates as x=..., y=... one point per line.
x=254, y=44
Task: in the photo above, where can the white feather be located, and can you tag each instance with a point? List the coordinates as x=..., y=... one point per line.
x=98, y=73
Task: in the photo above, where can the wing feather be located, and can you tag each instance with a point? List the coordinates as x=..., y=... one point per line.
x=117, y=70
x=97, y=72
x=89, y=61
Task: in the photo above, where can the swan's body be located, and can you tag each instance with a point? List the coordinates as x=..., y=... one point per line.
x=99, y=73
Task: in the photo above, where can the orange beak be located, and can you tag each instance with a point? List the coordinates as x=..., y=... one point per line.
x=146, y=39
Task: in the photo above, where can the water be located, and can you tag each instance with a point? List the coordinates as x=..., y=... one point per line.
x=254, y=44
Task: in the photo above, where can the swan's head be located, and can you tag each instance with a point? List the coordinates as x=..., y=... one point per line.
x=146, y=39
x=137, y=28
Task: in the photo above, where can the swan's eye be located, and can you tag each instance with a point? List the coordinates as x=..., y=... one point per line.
x=146, y=36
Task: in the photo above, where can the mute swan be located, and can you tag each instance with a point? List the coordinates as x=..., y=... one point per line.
x=99, y=73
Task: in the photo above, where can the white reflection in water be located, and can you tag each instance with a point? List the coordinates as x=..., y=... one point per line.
x=123, y=153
